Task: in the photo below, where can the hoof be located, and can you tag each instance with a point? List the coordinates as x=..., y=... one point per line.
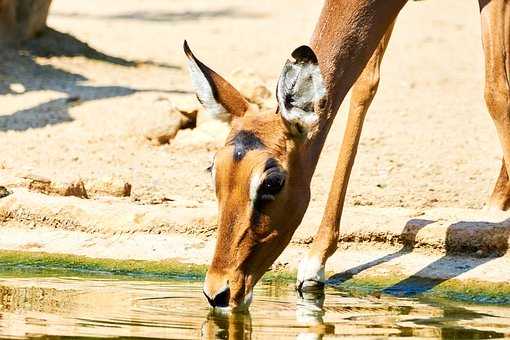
x=309, y=287
x=310, y=276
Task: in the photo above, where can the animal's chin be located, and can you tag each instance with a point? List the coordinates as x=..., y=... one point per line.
x=239, y=308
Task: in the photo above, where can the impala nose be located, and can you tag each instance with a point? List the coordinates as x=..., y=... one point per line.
x=221, y=299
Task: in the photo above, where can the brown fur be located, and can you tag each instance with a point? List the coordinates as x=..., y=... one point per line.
x=238, y=235
x=348, y=34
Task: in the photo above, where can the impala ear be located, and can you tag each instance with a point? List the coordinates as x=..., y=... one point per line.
x=219, y=98
x=299, y=90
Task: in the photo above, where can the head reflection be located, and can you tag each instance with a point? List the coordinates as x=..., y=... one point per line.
x=223, y=325
x=236, y=325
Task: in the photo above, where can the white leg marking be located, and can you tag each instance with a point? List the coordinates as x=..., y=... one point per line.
x=310, y=269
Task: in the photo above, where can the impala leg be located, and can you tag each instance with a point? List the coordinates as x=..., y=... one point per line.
x=495, y=18
x=500, y=198
x=311, y=268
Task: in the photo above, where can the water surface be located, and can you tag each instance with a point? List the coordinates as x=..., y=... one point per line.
x=41, y=307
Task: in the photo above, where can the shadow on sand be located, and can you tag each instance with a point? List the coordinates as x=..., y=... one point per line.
x=19, y=65
x=168, y=16
x=487, y=241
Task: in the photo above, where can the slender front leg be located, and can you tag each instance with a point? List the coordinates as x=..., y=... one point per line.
x=495, y=16
x=311, y=269
x=500, y=198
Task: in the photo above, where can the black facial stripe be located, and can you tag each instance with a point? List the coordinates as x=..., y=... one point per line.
x=245, y=141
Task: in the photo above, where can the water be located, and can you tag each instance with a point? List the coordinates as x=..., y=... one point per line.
x=41, y=307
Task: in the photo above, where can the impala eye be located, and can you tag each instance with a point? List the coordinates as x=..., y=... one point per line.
x=273, y=181
x=271, y=186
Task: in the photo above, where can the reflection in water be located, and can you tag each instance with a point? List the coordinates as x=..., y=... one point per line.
x=310, y=312
x=56, y=308
x=221, y=325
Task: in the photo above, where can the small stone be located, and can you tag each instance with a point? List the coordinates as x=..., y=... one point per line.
x=480, y=253
x=17, y=88
x=186, y=104
x=166, y=129
x=53, y=187
x=188, y=118
x=73, y=99
x=251, y=86
x=4, y=192
x=38, y=183
x=108, y=186
x=73, y=188
x=209, y=136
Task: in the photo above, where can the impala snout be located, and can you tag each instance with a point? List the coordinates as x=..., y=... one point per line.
x=218, y=299
x=217, y=289
x=219, y=294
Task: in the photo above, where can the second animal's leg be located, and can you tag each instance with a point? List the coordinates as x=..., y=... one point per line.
x=311, y=268
x=495, y=17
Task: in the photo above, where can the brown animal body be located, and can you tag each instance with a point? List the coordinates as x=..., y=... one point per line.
x=262, y=175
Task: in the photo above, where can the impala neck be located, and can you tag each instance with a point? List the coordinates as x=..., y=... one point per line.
x=346, y=35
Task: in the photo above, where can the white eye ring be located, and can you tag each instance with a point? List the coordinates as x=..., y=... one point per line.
x=254, y=186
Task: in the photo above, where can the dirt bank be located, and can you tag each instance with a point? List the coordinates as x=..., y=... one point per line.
x=392, y=244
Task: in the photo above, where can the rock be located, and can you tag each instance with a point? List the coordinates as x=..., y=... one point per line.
x=186, y=104
x=75, y=188
x=188, y=118
x=164, y=129
x=4, y=192
x=108, y=186
x=38, y=183
x=188, y=107
x=209, y=134
x=251, y=86
x=53, y=187
x=17, y=88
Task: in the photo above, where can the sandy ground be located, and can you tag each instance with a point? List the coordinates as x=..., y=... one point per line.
x=96, y=82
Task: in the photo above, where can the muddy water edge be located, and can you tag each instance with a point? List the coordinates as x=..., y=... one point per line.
x=45, y=301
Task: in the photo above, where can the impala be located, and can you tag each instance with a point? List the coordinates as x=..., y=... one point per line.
x=262, y=174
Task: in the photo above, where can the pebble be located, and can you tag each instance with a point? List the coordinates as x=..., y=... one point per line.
x=17, y=88
x=4, y=192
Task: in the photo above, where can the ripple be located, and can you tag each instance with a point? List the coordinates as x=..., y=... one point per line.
x=65, y=308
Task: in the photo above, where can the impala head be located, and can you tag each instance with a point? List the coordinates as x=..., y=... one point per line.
x=261, y=177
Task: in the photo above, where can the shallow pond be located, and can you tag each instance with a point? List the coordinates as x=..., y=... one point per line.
x=54, y=307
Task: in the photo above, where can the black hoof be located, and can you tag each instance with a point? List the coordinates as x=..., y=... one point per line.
x=310, y=287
